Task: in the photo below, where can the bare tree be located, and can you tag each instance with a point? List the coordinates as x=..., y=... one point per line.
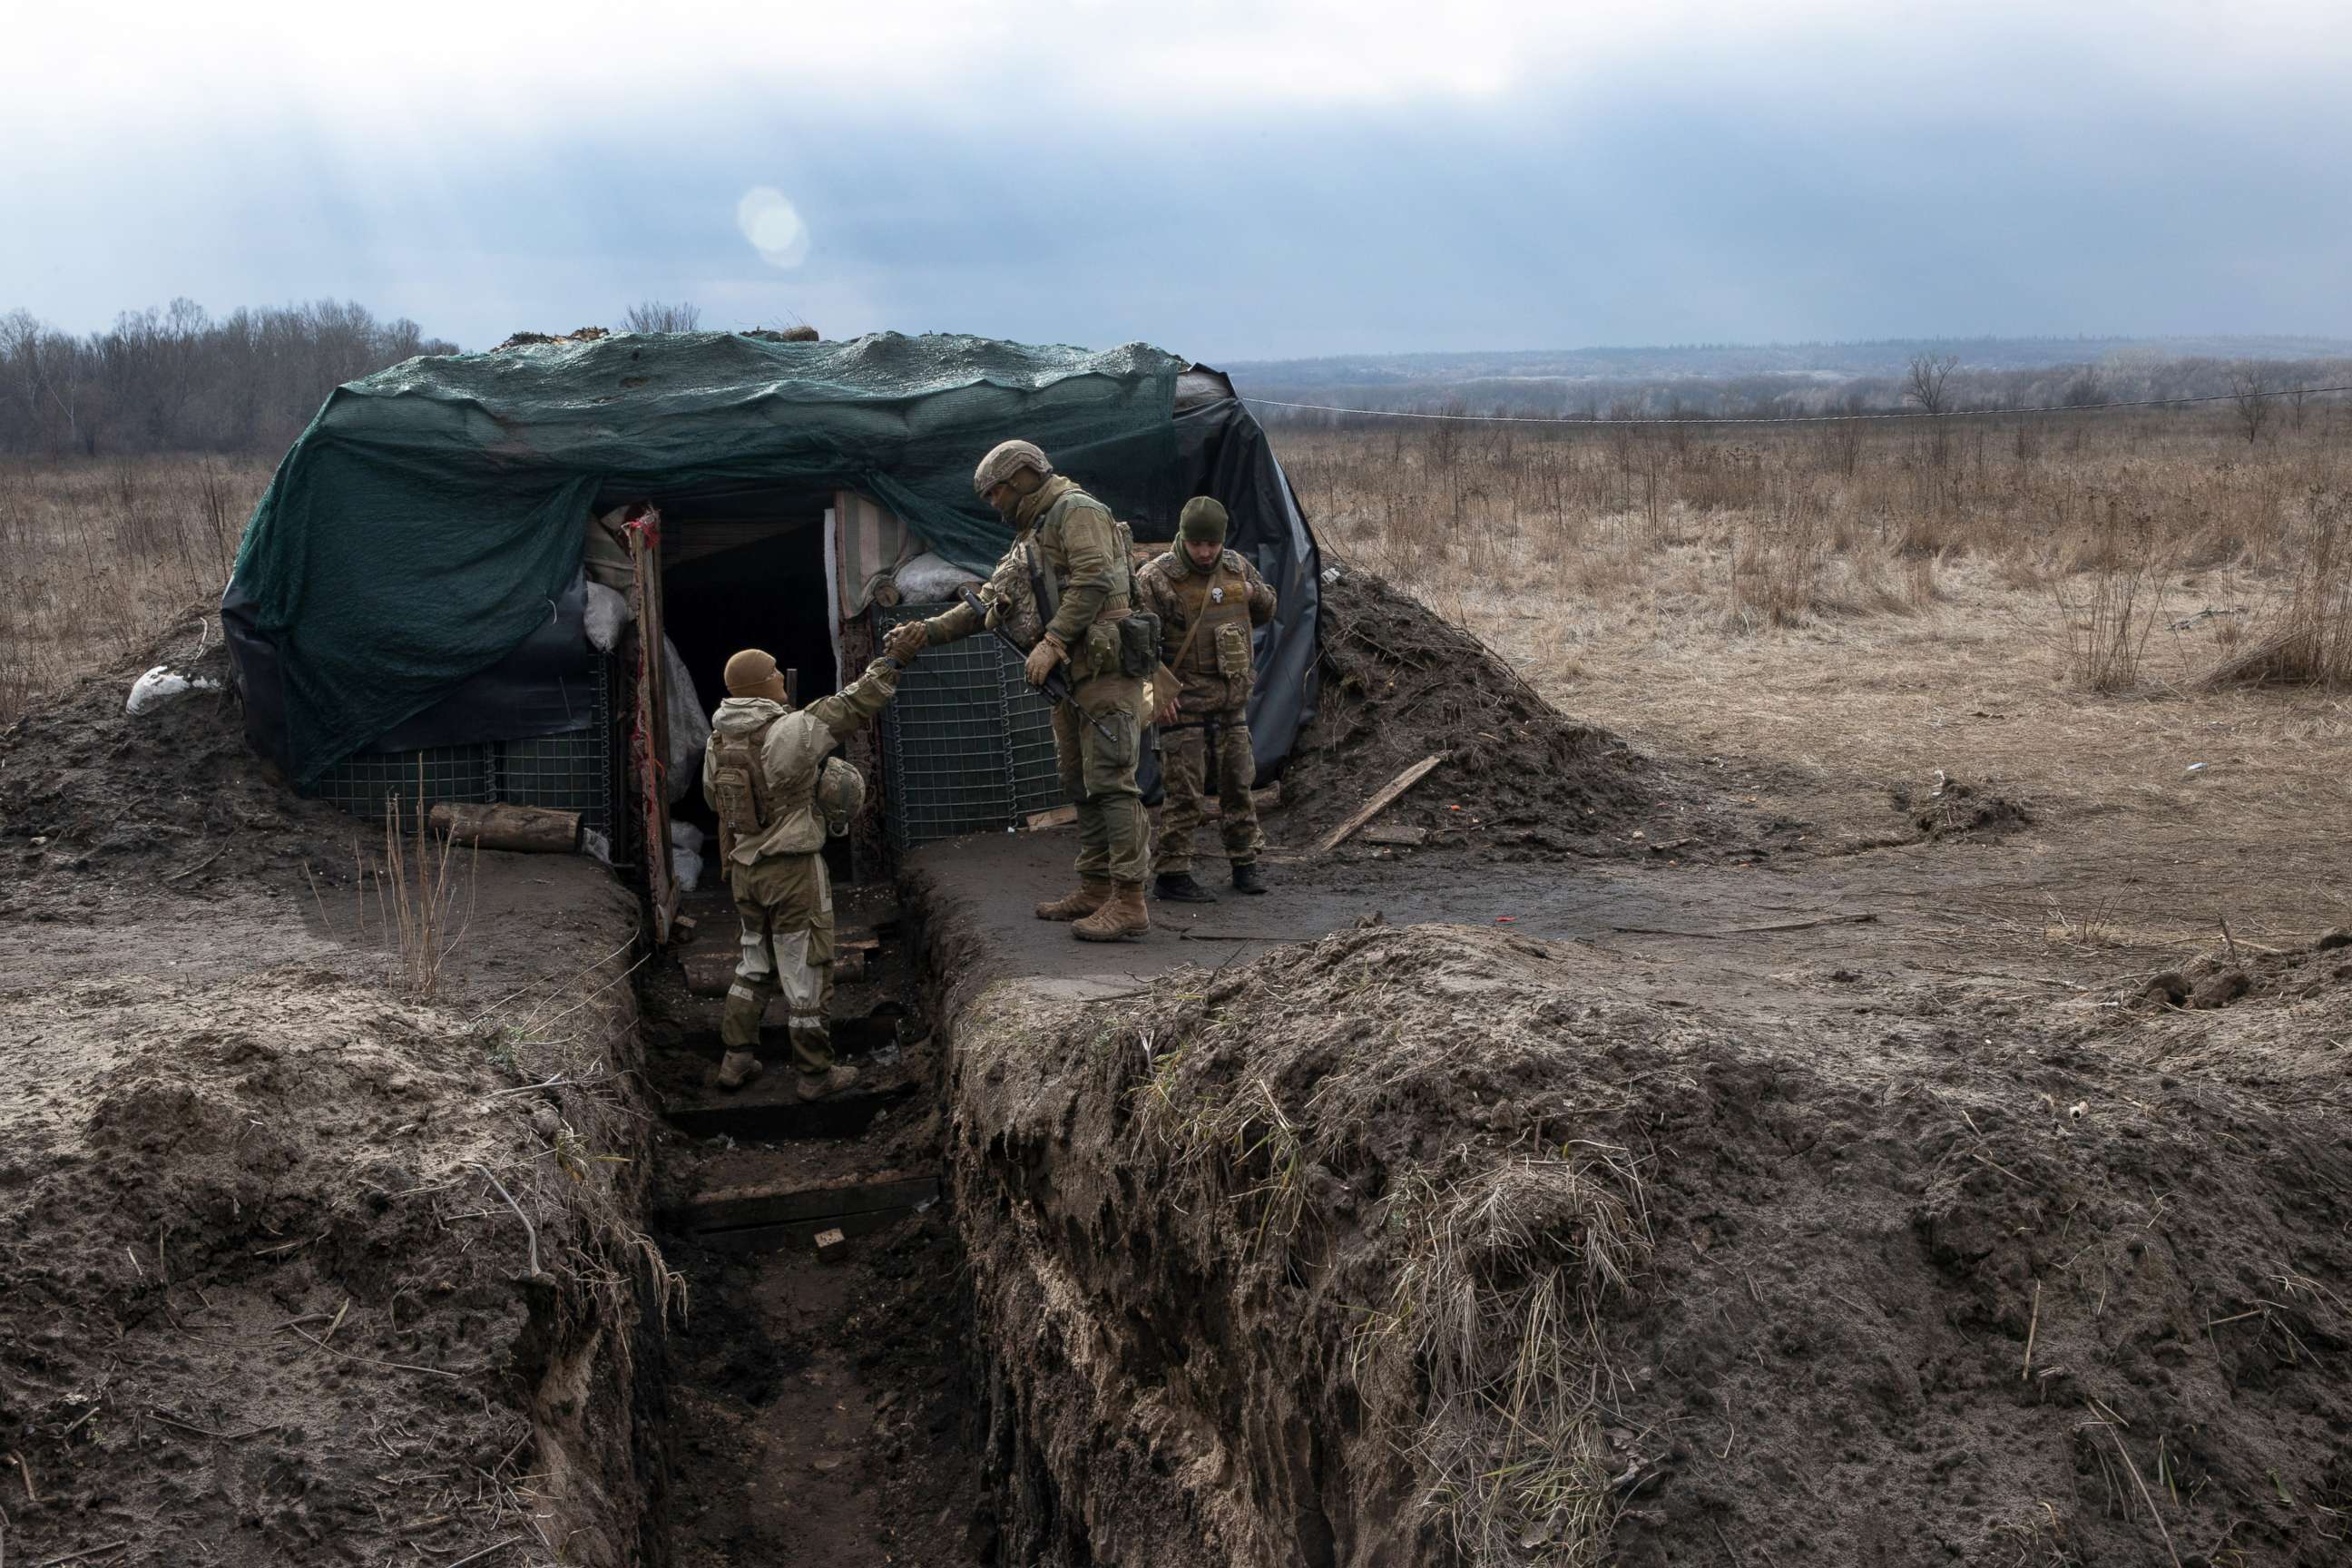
x=2250, y=396
x=1926, y=382
x=655, y=316
x=2085, y=391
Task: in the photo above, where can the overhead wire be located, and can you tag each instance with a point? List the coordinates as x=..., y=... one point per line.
x=1594, y=420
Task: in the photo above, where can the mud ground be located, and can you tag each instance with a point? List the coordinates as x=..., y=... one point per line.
x=260, y=1299
x=1965, y=1124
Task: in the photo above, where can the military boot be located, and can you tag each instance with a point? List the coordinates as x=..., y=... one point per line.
x=831, y=1081
x=1123, y=916
x=1178, y=887
x=737, y=1069
x=1247, y=878
x=1093, y=893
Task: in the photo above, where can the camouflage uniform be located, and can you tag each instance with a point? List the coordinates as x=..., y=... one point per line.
x=783, y=897
x=1212, y=664
x=1079, y=548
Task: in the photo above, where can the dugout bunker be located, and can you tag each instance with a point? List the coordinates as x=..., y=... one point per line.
x=515, y=575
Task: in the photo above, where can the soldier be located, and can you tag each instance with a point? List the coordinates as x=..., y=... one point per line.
x=1207, y=598
x=1068, y=542
x=777, y=795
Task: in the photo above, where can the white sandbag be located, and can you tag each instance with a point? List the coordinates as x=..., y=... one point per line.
x=931, y=579
x=161, y=685
x=689, y=726
x=685, y=860
x=608, y=613
x=594, y=843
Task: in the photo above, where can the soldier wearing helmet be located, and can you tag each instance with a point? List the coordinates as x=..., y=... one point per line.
x=778, y=794
x=1207, y=598
x=1076, y=554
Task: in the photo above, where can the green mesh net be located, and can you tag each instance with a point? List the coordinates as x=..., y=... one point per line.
x=420, y=528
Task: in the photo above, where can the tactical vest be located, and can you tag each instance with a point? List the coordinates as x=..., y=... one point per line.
x=739, y=785
x=819, y=791
x=1057, y=566
x=1216, y=640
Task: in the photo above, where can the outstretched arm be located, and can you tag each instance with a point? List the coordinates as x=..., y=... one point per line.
x=846, y=709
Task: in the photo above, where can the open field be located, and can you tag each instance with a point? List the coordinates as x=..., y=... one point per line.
x=1838, y=612
x=102, y=555
x=1897, y=1118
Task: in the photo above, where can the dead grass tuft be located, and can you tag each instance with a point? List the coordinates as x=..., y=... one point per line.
x=2311, y=640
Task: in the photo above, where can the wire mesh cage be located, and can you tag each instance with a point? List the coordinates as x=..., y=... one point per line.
x=570, y=772
x=968, y=746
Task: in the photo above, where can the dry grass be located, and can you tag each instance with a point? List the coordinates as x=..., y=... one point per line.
x=1810, y=617
x=419, y=917
x=102, y=555
x=1798, y=527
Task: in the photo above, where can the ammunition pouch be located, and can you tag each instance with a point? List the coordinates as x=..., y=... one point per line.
x=1138, y=644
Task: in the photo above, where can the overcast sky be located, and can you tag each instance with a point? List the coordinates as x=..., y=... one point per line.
x=1230, y=178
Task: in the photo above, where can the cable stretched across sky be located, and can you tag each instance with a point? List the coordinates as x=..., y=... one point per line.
x=1788, y=419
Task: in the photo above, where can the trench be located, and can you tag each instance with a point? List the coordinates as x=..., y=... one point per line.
x=818, y=1403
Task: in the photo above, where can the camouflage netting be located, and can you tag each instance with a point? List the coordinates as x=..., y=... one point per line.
x=419, y=528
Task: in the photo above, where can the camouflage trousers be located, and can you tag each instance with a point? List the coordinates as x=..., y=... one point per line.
x=1098, y=775
x=784, y=903
x=1185, y=758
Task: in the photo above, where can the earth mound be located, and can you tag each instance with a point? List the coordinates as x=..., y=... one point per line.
x=295, y=1263
x=1400, y=684
x=1432, y=1245
x=91, y=795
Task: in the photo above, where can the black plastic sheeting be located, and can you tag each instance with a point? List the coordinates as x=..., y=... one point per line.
x=545, y=685
x=1224, y=452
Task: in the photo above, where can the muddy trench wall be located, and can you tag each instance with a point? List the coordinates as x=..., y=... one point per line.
x=1153, y=1393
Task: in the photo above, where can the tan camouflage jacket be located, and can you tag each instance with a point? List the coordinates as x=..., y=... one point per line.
x=792, y=750
x=1225, y=601
x=1078, y=544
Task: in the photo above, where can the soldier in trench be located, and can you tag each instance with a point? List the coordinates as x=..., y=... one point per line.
x=1067, y=543
x=1207, y=598
x=778, y=796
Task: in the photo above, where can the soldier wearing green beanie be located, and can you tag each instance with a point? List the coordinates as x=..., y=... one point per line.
x=1207, y=598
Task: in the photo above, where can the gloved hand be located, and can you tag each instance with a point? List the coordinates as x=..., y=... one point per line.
x=903, y=641
x=1048, y=653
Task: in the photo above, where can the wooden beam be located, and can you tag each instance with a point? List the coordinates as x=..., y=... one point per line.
x=528, y=828
x=1379, y=803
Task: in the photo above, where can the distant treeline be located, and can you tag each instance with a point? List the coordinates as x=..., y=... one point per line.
x=177, y=379
x=2126, y=378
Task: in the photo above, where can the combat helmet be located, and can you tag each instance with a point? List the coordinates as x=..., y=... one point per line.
x=840, y=793
x=1005, y=459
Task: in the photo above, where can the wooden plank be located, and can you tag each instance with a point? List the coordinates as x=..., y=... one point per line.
x=649, y=734
x=1057, y=816
x=1379, y=803
x=731, y=1208
x=800, y=1235
x=765, y=1112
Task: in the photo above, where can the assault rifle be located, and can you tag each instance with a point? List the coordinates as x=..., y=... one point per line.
x=1056, y=684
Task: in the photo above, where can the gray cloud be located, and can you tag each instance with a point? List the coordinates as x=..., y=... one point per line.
x=2013, y=175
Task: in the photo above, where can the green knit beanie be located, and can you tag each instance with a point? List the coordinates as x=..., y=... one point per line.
x=1204, y=521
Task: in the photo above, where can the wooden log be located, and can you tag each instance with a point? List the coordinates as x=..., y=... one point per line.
x=1379, y=803
x=528, y=828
